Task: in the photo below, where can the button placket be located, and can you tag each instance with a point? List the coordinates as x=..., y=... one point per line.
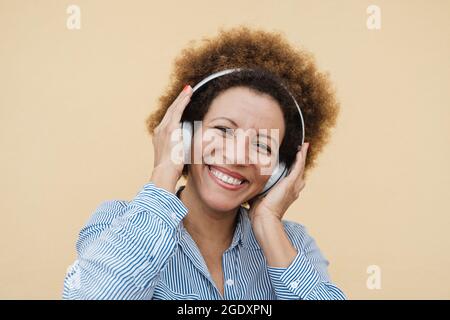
x=294, y=284
x=229, y=282
x=229, y=275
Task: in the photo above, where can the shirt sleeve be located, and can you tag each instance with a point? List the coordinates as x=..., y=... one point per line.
x=124, y=246
x=306, y=278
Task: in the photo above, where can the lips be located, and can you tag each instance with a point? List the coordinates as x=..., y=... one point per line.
x=223, y=184
x=228, y=172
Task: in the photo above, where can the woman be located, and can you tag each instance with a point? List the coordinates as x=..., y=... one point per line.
x=216, y=237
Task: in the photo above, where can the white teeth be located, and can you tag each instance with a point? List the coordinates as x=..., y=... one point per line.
x=225, y=178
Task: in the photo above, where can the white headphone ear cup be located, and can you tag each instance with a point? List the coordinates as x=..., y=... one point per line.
x=186, y=128
x=279, y=173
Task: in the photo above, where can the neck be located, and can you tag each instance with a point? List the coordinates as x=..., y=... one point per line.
x=205, y=224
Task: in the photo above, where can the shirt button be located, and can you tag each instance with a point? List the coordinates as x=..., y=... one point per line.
x=294, y=284
x=229, y=282
x=173, y=215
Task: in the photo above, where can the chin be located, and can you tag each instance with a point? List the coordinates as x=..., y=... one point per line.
x=221, y=205
x=220, y=195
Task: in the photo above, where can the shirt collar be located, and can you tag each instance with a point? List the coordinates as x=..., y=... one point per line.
x=243, y=233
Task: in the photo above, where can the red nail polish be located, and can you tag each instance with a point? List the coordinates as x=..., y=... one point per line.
x=186, y=87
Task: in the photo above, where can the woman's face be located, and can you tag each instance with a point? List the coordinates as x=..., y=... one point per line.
x=245, y=152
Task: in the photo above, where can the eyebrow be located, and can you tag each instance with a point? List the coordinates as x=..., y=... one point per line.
x=235, y=124
x=225, y=118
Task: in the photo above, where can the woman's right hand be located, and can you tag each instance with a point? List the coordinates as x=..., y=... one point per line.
x=166, y=170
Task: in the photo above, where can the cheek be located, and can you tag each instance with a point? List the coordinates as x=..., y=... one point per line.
x=199, y=148
x=261, y=180
x=210, y=149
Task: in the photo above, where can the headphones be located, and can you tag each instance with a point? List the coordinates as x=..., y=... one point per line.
x=280, y=171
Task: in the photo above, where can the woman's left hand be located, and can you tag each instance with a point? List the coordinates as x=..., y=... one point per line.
x=283, y=194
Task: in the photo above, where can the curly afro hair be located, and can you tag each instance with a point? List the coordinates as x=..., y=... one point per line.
x=274, y=62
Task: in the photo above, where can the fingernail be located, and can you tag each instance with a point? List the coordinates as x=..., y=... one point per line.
x=186, y=87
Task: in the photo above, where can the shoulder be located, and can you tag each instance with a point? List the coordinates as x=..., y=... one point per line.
x=106, y=211
x=99, y=221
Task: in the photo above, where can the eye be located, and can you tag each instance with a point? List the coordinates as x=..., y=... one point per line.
x=230, y=132
x=225, y=130
x=265, y=147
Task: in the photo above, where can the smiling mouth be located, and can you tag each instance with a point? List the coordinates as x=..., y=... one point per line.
x=226, y=180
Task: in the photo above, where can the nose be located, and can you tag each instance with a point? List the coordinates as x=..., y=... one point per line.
x=237, y=150
x=242, y=148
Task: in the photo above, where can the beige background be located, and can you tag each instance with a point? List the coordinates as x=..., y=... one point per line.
x=72, y=133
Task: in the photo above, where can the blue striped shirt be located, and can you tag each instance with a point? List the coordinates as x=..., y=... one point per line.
x=139, y=249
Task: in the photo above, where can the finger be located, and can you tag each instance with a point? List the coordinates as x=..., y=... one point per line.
x=187, y=91
x=180, y=106
x=304, y=152
x=299, y=163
